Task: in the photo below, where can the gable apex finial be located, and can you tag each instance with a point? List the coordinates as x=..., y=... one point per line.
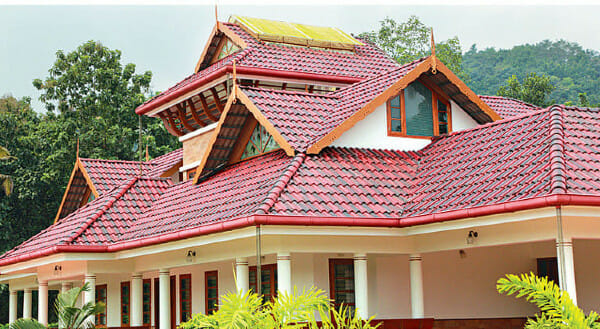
x=77, y=150
x=216, y=13
x=432, y=43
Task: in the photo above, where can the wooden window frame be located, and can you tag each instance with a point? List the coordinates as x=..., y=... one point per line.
x=128, y=285
x=436, y=94
x=332, y=277
x=191, y=173
x=272, y=281
x=207, y=274
x=149, y=294
x=105, y=301
x=181, y=300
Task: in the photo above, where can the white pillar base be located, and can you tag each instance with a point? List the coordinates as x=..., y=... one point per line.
x=564, y=250
x=241, y=274
x=43, y=303
x=361, y=283
x=137, y=294
x=284, y=272
x=165, y=299
x=12, y=306
x=416, y=286
x=27, y=303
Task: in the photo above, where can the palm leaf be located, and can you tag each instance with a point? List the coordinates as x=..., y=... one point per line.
x=26, y=324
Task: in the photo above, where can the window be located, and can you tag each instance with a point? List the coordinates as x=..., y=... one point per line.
x=125, y=294
x=227, y=48
x=341, y=282
x=147, y=302
x=418, y=111
x=268, y=278
x=101, y=297
x=185, y=297
x=260, y=142
x=548, y=267
x=211, y=291
x=191, y=173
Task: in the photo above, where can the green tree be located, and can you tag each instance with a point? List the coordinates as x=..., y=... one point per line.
x=5, y=180
x=535, y=89
x=558, y=310
x=411, y=40
x=73, y=317
x=92, y=95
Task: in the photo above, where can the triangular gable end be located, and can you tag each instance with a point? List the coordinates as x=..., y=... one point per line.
x=432, y=67
x=228, y=131
x=78, y=192
x=220, y=33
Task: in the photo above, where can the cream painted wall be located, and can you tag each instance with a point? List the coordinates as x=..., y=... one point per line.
x=586, y=254
x=371, y=132
x=456, y=287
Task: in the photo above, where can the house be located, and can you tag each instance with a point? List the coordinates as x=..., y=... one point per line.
x=310, y=158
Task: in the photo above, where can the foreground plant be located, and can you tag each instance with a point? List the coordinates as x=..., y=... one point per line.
x=558, y=310
x=73, y=317
x=287, y=311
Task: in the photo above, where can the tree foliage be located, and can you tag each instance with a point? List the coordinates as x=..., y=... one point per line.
x=535, y=89
x=6, y=182
x=88, y=94
x=558, y=310
x=571, y=69
x=411, y=40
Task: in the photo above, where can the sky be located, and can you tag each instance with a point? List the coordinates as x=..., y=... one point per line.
x=168, y=40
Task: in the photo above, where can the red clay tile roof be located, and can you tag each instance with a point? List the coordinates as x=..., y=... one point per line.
x=508, y=107
x=99, y=222
x=366, y=61
x=109, y=174
x=550, y=152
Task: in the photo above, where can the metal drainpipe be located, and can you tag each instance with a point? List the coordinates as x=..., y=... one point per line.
x=560, y=250
x=258, y=263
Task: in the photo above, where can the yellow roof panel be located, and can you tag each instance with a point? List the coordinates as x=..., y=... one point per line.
x=266, y=27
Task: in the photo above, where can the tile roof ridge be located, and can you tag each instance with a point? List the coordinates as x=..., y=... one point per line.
x=120, y=192
x=558, y=168
x=285, y=178
x=512, y=99
x=113, y=160
x=289, y=92
x=411, y=153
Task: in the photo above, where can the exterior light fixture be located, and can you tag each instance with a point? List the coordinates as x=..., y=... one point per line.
x=190, y=256
x=471, y=237
x=57, y=269
x=462, y=254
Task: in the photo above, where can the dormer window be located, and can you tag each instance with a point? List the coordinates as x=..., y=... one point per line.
x=260, y=142
x=418, y=111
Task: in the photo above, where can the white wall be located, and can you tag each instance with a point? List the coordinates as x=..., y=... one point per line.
x=371, y=132
x=587, y=273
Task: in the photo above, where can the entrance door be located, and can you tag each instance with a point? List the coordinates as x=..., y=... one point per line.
x=157, y=302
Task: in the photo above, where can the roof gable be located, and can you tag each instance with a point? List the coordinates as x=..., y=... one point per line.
x=220, y=31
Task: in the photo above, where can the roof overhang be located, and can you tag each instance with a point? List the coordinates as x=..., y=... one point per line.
x=557, y=200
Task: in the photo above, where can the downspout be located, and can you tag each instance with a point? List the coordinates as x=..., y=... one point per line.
x=562, y=275
x=258, y=262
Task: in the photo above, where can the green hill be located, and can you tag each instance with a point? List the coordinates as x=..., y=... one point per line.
x=572, y=69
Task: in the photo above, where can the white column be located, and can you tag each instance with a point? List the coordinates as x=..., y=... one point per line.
x=566, y=268
x=165, y=299
x=360, y=285
x=43, y=303
x=416, y=286
x=90, y=296
x=284, y=272
x=12, y=306
x=137, y=294
x=241, y=274
x=65, y=286
x=27, y=303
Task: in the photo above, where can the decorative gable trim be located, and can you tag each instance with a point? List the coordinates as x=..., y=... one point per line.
x=218, y=28
x=88, y=180
x=431, y=63
x=238, y=95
